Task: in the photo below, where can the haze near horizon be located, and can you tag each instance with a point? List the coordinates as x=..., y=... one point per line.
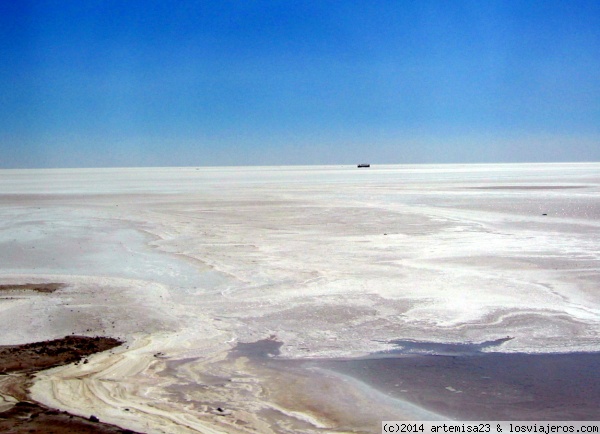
x=105, y=83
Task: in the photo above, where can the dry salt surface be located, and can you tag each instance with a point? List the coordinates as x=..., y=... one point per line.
x=267, y=299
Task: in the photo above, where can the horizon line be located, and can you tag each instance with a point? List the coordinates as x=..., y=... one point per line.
x=302, y=165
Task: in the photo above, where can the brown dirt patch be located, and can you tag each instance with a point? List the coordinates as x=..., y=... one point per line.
x=26, y=417
x=38, y=287
x=29, y=358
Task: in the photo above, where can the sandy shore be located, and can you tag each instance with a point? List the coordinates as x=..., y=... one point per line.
x=241, y=294
x=19, y=363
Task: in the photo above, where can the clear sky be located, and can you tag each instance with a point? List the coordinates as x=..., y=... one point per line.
x=190, y=83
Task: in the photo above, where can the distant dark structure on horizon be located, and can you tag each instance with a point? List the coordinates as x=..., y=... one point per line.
x=364, y=165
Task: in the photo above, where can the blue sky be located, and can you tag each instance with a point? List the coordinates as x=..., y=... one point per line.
x=162, y=83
